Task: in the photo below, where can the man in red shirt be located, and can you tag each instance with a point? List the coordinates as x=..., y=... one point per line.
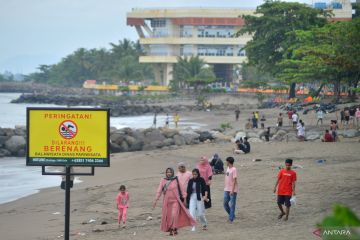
x=286, y=188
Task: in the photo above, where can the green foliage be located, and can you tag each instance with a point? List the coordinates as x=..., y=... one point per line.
x=327, y=54
x=124, y=88
x=342, y=218
x=191, y=72
x=253, y=77
x=260, y=97
x=224, y=126
x=118, y=64
x=270, y=28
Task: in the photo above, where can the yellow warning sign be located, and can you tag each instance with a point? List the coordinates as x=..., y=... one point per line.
x=68, y=136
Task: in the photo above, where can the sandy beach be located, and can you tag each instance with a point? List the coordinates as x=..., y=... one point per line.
x=319, y=186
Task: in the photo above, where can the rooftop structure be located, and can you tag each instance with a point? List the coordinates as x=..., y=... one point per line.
x=209, y=33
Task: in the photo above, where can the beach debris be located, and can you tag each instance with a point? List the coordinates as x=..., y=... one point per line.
x=56, y=213
x=321, y=161
x=103, y=222
x=92, y=220
x=60, y=236
x=257, y=160
x=81, y=233
x=149, y=218
x=134, y=234
x=97, y=230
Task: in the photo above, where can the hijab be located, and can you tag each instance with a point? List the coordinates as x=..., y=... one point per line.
x=197, y=179
x=204, y=168
x=172, y=177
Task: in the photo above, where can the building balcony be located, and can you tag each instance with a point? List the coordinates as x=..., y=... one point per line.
x=207, y=59
x=195, y=41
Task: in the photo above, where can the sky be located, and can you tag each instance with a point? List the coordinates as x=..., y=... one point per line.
x=35, y=32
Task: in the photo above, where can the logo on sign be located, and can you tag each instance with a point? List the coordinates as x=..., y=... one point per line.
x=68, y=129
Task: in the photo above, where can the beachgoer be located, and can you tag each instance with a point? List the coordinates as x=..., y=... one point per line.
x=295, y=119
x=247, y=145
x=174, y=214
x=167, y=120
x=346, y=116
x=176, y=119
x=217, y=164
x=196, y=196
x=290, y=113
x=357, y=116
x=230, y=189
x=285, y=185
x=319, y=116
x=248, y=124
x=327, y=137
x=267, y=134
x=334, y=127
x=184, y=176
x=301, y=131
x=237, y=114
x=154, y=121
x=254, y=121
x=280, y=120
x=122, y=204
x=206, y=173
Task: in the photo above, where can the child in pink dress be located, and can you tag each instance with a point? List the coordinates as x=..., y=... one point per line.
x=122, y=203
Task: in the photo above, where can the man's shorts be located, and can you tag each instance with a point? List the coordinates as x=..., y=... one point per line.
x=282, y=199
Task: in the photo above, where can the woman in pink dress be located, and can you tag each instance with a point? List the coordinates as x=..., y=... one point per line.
x=206, y=173
x=174, y=214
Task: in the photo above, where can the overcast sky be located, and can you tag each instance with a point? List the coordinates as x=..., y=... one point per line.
x=34, y=32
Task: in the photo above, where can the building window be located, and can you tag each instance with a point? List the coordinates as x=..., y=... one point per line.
x=216, y=50
x=186, y=31
x=158, y=22
x=216, y=31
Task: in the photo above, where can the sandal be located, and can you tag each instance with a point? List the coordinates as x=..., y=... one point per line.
x=175, y=231
x=204, y=228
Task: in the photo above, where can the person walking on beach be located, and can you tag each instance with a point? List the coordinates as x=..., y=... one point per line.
x=285, y=186
x=167, y=120
x=237, y=114
x=176, y=119
x=196, y=196
x=206, y=173
x=174, y=214
x=319, y=116
x=280, y=120
x=295, y=119
x=154, y=121
x=122, y=204
x=184, y=176
x=230, y=189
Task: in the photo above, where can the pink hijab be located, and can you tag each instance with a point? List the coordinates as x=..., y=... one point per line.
x=204, y=169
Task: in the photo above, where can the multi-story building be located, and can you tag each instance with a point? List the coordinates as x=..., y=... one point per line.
x=209, y=33
x=341, y=9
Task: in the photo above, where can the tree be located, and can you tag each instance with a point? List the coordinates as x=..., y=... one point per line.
x=328, y=54
x=270, y=28
x=191, y=71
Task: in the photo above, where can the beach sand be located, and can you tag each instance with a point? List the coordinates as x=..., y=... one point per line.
x=319, y=186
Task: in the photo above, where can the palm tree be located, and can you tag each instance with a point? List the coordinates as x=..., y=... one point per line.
x=192, y=71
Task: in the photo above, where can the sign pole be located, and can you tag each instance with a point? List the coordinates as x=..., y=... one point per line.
x=67, y=204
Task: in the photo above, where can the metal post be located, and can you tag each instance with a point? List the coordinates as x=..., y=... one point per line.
x=67, y=204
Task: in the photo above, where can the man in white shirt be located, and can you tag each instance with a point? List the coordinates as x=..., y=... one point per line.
x=295, y=119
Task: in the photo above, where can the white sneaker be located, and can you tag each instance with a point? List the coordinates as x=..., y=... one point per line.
x=193, y=229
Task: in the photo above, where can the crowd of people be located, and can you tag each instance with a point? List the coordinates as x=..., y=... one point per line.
x=186, y=195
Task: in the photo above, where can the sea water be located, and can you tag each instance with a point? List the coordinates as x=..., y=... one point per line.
x=17, y=180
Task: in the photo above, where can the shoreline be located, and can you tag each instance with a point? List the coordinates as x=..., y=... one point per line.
x=319, y=186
